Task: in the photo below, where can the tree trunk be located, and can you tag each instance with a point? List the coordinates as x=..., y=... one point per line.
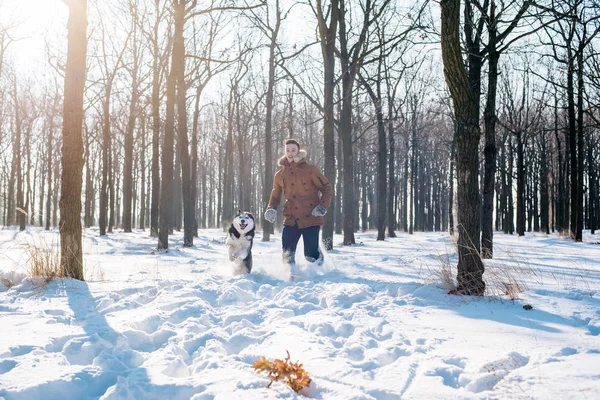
x=580, y=141
x=593, y=194
x=106, y=170
x=470, y=265
x=72, y=145
x=128, y=156
x=112, y=161
x=572, y=132
x=381, y=170
x=21, y=212
x=452, y=167
x=562, y=223
x=405, y=198
x=520, y=185
x=155, y=105
x=327, y=37
x=194, y=155
x=268, y=177
x=176, y=202
x=166, y=192
x=544, y=199
x=364, y=213
x=381, y=155
x=391, y=213
x=338, y=189
x=142, y=167
x=228, y=203
x=178, y=67
x=489, y=152
x=29, y=199
x=88, y=213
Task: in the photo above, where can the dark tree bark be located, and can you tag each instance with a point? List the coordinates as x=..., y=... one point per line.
x=470, y=265
x=562, y=223
x=451, y=167
x=520, y=184
x=510, y=215
x=489, y=151
x=166, y=192
x=71, y=260
x=544, y=196
x=391, y=213
x=580, y=141
x=593, y=193
x=339, y=168
x=572, y=135
x=405, y=179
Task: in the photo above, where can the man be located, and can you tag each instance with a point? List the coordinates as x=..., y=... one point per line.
x=308, y=196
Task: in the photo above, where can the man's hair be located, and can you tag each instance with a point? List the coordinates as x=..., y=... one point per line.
x=292, y=141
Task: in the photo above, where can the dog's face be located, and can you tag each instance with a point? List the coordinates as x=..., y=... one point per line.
x=243, y=222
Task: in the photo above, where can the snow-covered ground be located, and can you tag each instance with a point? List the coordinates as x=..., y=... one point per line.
x=374, y=322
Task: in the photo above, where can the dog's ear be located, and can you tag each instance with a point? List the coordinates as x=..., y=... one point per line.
x=239, y=211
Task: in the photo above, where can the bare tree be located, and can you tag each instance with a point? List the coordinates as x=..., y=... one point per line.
x=498, y=41
x=159, y=61
x=271, y=30
x=575, y=27
x=465, y=105
x=134, y=70
x=107, y=189
x=327, y=39
x=72, y=147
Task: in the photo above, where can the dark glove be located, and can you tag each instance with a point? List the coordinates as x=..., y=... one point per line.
x=319, y=211
x=270, y=215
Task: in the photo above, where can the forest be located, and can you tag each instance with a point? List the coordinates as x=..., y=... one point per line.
x=469, y=117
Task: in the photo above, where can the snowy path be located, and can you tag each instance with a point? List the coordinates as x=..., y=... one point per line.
x=369, y=324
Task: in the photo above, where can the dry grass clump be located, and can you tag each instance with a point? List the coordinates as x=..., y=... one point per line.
x=43, y=261
x=286, y=371
x=444, y=273
x=504, y=281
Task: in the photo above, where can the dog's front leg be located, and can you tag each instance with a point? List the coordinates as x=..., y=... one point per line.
x=242, y=253
x=231, y=253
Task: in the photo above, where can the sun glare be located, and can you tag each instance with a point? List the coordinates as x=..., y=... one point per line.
x=37, y=23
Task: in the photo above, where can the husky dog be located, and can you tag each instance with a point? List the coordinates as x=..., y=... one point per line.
x=239, y=240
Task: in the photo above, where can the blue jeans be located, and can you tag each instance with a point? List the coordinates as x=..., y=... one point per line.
x=289, y=242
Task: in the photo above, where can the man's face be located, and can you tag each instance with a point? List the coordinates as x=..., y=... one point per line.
x=291, y=150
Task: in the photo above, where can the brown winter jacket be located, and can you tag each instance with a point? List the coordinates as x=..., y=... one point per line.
x=300, y=183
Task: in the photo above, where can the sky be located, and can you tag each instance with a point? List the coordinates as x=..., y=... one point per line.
x=38, y=21
x=41, y=21
x=373, y=322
